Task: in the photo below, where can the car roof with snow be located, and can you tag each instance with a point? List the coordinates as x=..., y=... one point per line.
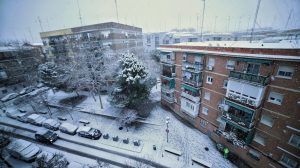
x=8, y=96
x=30, y=150
x=48, y=155
x=51, y=122
x=84, y=129
x=68, y=126
x=33, y=116
x=18, y=145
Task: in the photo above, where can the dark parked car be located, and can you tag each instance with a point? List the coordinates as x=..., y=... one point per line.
x=46, y=136
x=51, y=124
x=89, y=132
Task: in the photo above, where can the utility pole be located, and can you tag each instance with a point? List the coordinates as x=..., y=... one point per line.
x=254, y=22
x=202, y=20
x=80, y=18
x=287, y=22
x=167, y=130
x=197, y=23
x=117, y=10
x=40, y=22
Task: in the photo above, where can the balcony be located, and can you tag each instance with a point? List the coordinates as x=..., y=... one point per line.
x=248, y=101
x=192, y=67
x=169, y=99
x=237, y=120
x=192, y=82
x=168, y=75
x=195, y=99
x=167, y=61
x=189, y=107
x=258, y=79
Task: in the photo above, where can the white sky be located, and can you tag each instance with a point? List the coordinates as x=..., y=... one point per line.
x=18, y=18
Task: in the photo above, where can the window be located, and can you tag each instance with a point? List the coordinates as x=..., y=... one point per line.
x=203, y=123
x=253, y=68
x=225, y=83
x=275, y=98
x=189, y=105
x=259, y=139
x=209, y=79
x=288, y=162
x=285, y=72
x=184, y=57
x=230, y=64
x=295, y=141
x=207, y=96
x=205, y=110
x=211, y=62
x=267, y=120
x=254, y=154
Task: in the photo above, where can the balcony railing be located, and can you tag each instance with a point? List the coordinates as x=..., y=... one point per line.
x=262, y=80
x=196, y=68
x=192, y=82
x=238, y=120
x=168, y=74
x=244, y=100
x=168, y=99
x=167, y=88
x=167, y=61
x=195, y=99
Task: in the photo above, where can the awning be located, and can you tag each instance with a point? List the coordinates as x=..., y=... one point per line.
x=190, y=88
x=261, y=61
x=240, y=107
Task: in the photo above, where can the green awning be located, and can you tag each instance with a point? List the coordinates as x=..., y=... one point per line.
x=240, y=107
x=190, y=88
x=235, y=124
x=261, y=61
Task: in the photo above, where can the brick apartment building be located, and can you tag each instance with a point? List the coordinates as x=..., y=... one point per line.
x=115, y=37
x=245, y=96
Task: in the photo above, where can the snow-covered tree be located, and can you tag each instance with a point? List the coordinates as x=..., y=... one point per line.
x=132, y=89
x=51, y=74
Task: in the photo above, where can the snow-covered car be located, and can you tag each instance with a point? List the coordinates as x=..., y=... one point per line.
x=88, y=132
x=40, y=85
x=22, y=117
x=23, y=150
x=46, y=136
x=68, y=128
x=51, y=124
x=36, y=119
x=27, y=90
x=9, y=97
x=12, y=114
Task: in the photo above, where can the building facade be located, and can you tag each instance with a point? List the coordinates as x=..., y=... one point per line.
x=114, y=37
x=18, y=64
x=245, y=96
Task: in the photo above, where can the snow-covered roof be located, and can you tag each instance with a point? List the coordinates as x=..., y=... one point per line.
x=50, y=121
x=68, y=126
x=33, y=116
x=232, y=54
x=284, y=44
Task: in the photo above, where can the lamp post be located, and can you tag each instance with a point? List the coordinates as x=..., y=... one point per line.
x=167, y=130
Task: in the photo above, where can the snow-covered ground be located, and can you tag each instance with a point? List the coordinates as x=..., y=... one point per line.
x=190, y=141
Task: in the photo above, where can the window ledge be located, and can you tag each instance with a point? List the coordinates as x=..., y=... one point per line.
x=283, y=77
x=266, y=124
x=270, y=101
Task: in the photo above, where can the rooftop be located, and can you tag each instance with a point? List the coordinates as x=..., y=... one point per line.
x=284, y=44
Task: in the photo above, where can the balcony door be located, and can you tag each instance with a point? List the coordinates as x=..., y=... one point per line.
x=253, y=68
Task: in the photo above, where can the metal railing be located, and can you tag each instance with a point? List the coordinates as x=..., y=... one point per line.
x=196, y=68
x=195, y=99
x=193, y=82
x=263, y=80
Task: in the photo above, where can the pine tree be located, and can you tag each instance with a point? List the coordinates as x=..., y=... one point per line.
x=132, y=89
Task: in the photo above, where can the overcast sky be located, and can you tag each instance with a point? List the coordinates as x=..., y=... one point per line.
x=19, y=18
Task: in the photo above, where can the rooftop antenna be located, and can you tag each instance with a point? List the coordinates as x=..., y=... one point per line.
x=40, y=22
x=254, y=22
x=202, y=20
x=197, y=23
x=117, y=10
x=287, y=22
x=80, y=17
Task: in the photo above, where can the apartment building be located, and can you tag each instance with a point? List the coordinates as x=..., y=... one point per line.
x=245, y=96
x=114, y=37
x=18, y=66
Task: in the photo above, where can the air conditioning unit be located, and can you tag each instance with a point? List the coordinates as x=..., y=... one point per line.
x=210, y=68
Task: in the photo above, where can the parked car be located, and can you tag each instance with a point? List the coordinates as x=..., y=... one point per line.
x=51, y=124
x=36, y=119
x=46, y=136
x=9, y=97
x=12, y=114
x=61, y=118
x=23, y=150
x=27, y=90
x=89, y=132
x=40, y=85
x=68, y=128
x=22, y=117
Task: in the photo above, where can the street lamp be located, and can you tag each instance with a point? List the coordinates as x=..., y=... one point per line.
x=167, y=130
